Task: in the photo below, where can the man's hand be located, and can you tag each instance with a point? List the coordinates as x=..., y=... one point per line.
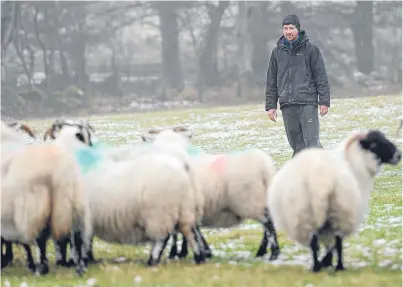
x=324, y=110
x=272, y=113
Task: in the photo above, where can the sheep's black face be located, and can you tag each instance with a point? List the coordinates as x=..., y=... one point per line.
x=384, y=149
x=83, y=130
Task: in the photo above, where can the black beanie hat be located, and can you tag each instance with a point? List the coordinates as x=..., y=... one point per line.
x=291, y=19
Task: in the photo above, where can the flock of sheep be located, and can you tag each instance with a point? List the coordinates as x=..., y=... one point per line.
x=70, y=187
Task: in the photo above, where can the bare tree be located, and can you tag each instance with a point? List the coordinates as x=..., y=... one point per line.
x=208, y=72
x=244, y=52
x=362, y=27
x=168, y=16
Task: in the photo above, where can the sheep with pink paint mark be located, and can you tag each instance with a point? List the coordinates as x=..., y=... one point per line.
x=232, y=187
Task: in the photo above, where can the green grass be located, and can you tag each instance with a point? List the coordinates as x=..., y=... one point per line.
x=373, y=257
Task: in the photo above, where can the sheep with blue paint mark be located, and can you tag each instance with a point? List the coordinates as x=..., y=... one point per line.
x=140, y=199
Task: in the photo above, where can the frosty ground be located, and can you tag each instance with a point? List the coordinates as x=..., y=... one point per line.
x=373, y=257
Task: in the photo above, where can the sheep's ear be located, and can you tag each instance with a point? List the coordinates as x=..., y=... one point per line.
x=150, y=135
x=51, y=132
x=183, y=131
x=146, y=137
x=86, y=124
x=48, y=133
x=356, y=136
x=28, y=130
x=179, y=129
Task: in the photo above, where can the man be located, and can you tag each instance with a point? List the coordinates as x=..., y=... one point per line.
x=297, y=79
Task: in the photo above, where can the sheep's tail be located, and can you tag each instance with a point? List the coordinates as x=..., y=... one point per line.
x=70, y=212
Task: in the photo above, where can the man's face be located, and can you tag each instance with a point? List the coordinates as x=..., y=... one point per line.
x=290, y=32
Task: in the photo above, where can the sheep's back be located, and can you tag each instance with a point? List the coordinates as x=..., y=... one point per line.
x=147, y=193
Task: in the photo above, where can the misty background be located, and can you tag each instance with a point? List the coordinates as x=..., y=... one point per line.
x=80, y=58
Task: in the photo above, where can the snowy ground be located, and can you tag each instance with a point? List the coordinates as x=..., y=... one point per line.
x=379, y=241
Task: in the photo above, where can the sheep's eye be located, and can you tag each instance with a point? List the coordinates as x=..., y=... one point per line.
x=80, y=137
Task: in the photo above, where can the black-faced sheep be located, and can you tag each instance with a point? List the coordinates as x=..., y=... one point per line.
x=322, y=195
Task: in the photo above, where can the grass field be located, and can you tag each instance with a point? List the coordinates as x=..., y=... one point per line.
x=373, y=257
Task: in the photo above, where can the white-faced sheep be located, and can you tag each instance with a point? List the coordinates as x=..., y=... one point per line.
x=41, y=195
x=233, y=187
x=322, y=195
x=129, y=206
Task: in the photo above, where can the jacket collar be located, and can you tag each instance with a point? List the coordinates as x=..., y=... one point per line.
x=302, y=38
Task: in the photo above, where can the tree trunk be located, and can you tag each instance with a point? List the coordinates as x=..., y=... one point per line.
x=172, y=68
x=362, y=27
x=209, y=74
x=79, y=49
x=10, y=11
x=244, y=52
x=42, y=45
x=257, y=26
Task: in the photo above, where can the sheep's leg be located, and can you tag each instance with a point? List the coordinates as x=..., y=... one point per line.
x=339, y=249
x=8, y=256
x=268, y=235
x=9, y=251
x=30, y=259
x=328, y=258
x=77, y=252
x=191, y=235
x=174, y=249
x=263, y=244
x=43, y=267
x=315, y=249
x=206, y=247
x=184, y=248
x=61, y=252
x=156, y=251
x=90, y=255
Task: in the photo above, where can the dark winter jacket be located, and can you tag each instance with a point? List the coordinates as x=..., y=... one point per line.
x=296, y=75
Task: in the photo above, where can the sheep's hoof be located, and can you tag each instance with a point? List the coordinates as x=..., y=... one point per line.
x=208, y=253
x=199, y=258
x=340, y=267
x=275, y=252
x=42, y=269
x=31, y=267
x=173, y=253
x=261, y=252
x=316, y=267
x=327, y=260
x=5, y=261
x=81, y=268
x=182, y=255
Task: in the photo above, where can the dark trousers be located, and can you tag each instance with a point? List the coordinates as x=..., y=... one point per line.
x=301, y=124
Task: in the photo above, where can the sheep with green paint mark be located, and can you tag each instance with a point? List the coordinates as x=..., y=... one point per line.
x=141, y=199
